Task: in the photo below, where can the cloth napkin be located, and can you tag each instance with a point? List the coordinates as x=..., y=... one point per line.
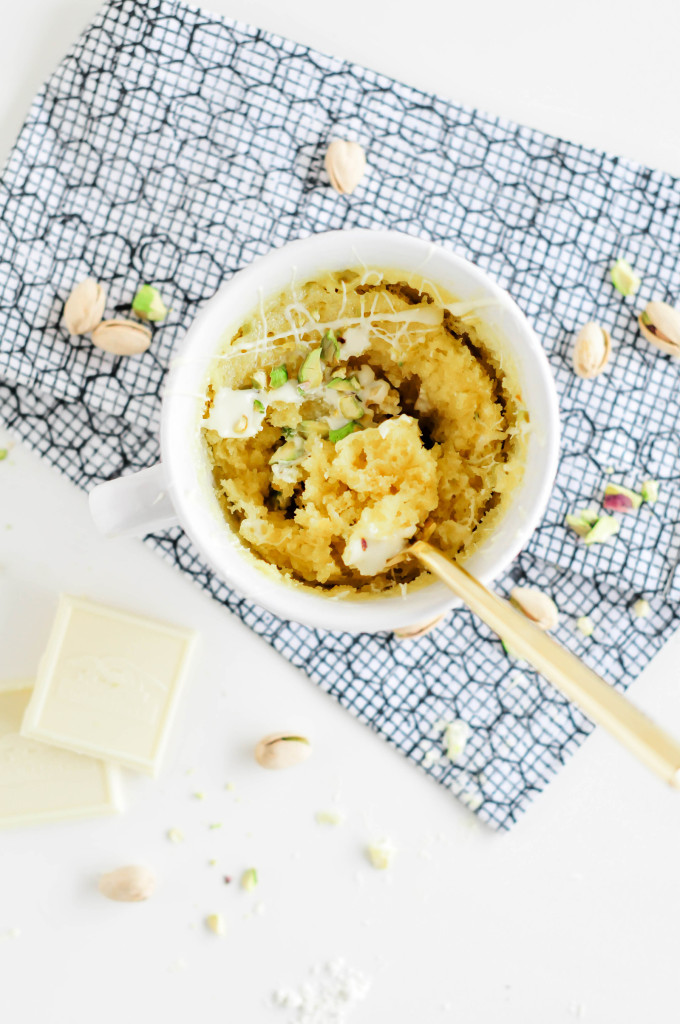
x=173, y=146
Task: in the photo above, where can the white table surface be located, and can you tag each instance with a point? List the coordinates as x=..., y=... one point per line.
x=574, y=913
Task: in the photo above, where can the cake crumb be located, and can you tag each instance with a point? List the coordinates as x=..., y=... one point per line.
x=332, y=992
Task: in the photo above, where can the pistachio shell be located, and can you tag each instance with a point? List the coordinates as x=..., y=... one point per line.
x=592, y=350
x=84, y=307
x=346, y=165
x=660, y=324
x=536, y=605
x=282, y=750
x=418, y=629
x=128, y=885
x=122, y=337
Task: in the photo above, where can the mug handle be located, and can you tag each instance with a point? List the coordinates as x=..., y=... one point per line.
x=132, y=506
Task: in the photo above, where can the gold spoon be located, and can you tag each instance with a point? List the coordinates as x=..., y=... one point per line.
x=600, y=701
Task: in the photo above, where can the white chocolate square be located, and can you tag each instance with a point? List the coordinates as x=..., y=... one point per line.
x=108, y=684
x=42, y=783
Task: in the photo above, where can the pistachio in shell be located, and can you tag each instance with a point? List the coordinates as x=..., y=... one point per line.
x=660, y=324
x=536, y=605
x=121, y=337
x=282, y=750
x=592, y=350
x=346, y=165
x=84, y=307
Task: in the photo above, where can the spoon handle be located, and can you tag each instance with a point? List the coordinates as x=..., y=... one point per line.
x=600, y=701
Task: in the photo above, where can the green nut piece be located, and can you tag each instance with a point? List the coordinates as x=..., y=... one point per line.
x=310, y=371
x=278, y=376
x=650, y=491
x=337, y=435
x=148, y=304
x=624, y=278
x=604, y=529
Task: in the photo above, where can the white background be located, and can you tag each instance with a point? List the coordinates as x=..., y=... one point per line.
x=575, y=912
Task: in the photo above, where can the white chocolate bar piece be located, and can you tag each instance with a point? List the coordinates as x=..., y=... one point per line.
x=42, y=783
x=108, y=684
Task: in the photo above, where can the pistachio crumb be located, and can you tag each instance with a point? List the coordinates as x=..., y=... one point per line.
x=215, y=824
x=604, y=529
x=624, y=278
x=456, y=736
x=585, y=625
x=175, y=835
x=4, y=452
x=148, y=304
x=215, y=923
x=649, y=490
x=621, y=499
x=329, y=817
x=230, y=787
x=381, y=854
x=249, y=879
x=641, y=608
x=199, y=795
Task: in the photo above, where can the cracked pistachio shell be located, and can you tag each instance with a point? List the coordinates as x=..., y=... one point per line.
x=592, y=350
x=419, y=629
x=122, y=337
x=282, y=750
x=84, y=307
x=346, y=165
x=130, y=884
x=660, y=324
x=536, y=605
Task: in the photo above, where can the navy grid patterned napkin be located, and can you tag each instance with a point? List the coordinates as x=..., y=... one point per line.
x=174, y=146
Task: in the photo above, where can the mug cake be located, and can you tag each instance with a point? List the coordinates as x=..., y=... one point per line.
x=355, y=411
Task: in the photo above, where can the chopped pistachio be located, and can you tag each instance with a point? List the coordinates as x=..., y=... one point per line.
x=278, y=376
x=199, y=795
x=344, y=384
x=578, y=524
x=215, y=922
x=604, y=529
x=330, y=347
x=650, y=491
x=641, y=608
x=585, y=625
x=175, y=835
x=259, y=380
x=310, y=371
x=609, y=470
x=337, y=435
x=381, y=854
x=624, y=278
x=249, y=879
x=621, y=499
x=456, y=735
x=212, y=862
x=582, y=520
x=3, y=453
x=288, y=452
x=309, y=427
x=257, y=404
x=329, y=818
x=230, y=786
x=215, y=824
x=351, y=407
x=148, y=304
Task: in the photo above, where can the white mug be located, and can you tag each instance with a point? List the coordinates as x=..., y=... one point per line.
x=179, y=489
